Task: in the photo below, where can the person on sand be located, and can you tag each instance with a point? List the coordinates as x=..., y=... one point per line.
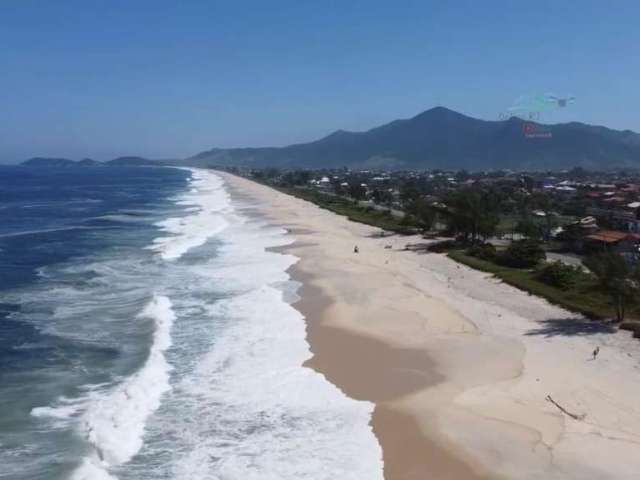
x=596, y=352
x=355, y=249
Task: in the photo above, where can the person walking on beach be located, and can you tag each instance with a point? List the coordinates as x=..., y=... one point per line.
x=596, y=352
x=355, y=249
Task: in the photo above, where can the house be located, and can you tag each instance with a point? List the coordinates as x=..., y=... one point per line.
x=574, y=235
x=613, y=240
x=588, y=224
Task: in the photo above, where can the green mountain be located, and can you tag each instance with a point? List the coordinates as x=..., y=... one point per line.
x=442, y=138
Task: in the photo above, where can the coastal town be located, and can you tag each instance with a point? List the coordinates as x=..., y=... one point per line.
x=571, y=236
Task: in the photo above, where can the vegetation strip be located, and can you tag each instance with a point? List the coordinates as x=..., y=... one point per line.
x=585, y=298
x=609, y=291
x=342, y=206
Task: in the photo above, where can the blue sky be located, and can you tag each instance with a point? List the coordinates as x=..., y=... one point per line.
x=168, y=79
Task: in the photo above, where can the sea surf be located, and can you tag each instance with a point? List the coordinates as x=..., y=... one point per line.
x=165, y=345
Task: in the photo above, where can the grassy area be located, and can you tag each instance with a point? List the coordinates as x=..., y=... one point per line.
x=585, y=298
x=350, y=209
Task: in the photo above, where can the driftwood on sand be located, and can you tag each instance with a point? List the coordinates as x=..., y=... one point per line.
x=563, y=410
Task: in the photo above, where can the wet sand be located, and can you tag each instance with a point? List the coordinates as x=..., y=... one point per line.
x=368, y=369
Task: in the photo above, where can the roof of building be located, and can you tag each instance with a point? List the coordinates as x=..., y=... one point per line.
x=612, y=236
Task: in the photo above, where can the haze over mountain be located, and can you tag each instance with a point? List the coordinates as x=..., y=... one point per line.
x=443, y=138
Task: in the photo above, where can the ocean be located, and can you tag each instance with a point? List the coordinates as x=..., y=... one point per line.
x=147, y=332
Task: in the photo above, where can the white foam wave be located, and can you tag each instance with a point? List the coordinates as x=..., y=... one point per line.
x=91, y=470
x=206, y=200
x=260, y=413
x=242, y=406
x=114, y=422
x=64, y=411
x=61, y=412
x=121, y=218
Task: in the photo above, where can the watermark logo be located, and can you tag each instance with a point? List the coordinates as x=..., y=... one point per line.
x=532, y=107
x=533, y=130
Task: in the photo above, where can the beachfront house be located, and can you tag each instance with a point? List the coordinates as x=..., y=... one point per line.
x=625, y=243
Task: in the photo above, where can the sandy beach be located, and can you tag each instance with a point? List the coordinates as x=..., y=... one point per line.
x=458, y=364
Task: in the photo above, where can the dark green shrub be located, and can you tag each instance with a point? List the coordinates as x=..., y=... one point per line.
x=522, y=254
x=407, y=220
x=485, y=251
x=559, y=275
x=443, y=246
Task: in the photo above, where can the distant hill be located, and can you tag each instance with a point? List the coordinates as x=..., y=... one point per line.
x=49, y=162
x=436, y=138
x=87, y=162
x=130, y=162
x=45, y=162
x=442, y=138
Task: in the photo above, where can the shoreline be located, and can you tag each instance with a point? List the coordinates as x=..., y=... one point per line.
x=457, y=363
x=407, y=451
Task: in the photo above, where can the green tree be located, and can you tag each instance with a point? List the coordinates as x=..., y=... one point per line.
x=424, y=213
x=559, y=275
x=542, y=201
x=528, y=228
x=296, y=177
x=271, y=173
x=473, y=213
x=357, y=191
x=409, y=192
x=381, y=196
x=617, y=278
